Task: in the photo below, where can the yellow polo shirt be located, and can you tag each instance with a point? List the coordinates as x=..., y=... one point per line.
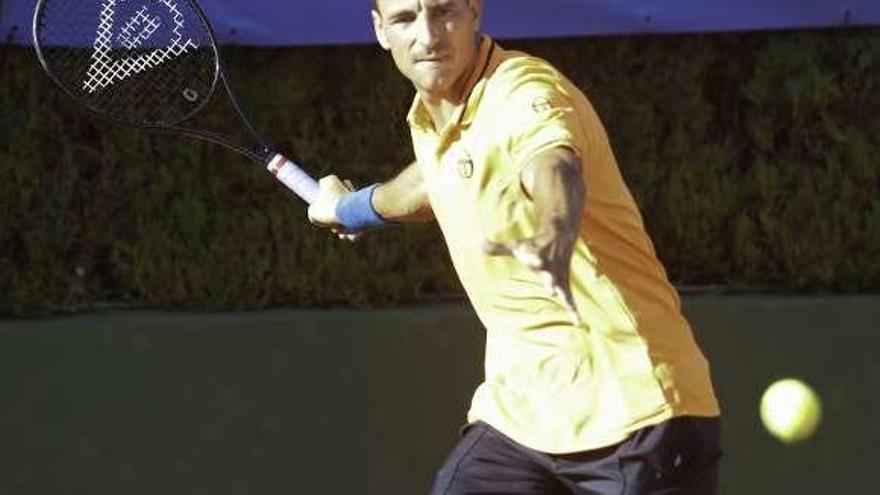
x=551, y=385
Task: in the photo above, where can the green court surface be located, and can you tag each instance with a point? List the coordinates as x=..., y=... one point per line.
x=358, y=402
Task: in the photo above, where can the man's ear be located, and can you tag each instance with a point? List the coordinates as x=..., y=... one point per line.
x=379, y=29
x=476, y=7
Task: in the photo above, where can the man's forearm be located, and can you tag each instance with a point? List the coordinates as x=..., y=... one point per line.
x=555, y=185
x=403, y=198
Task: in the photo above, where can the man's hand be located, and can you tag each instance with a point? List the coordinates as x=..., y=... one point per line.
x=552, y=180
x=549, y=254
x=323, y=211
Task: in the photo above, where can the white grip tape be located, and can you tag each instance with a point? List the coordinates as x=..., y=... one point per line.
x=294, y=178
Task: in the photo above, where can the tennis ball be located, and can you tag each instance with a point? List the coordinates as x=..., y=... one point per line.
x=790, y=410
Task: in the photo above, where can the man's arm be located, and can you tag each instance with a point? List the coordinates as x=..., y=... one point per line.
x=553, y=181
x=401, y=199
x=404, y=198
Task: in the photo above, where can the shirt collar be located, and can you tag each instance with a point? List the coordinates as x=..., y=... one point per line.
x=487, y=59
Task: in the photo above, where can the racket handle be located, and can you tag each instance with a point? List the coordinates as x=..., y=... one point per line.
x=295, y=178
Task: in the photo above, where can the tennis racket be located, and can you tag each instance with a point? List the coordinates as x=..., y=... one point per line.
x=148, y=63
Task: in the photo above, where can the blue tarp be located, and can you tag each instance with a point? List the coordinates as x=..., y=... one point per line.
x=304, y=22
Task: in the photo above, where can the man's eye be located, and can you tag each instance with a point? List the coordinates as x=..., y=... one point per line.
x=403, y=19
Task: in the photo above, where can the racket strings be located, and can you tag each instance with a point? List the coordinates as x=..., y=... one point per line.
x=149, y=63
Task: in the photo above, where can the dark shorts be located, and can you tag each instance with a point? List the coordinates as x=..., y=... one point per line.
x=679, y=456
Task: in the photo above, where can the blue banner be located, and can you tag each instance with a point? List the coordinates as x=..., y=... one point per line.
x=262, y=22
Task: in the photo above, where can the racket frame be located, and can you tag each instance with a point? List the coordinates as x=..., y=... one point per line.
x=260, y=152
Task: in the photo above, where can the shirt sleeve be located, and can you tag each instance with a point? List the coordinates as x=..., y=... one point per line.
x=540, y=115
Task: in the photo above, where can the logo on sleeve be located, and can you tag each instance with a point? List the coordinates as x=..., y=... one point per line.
x=541, y=104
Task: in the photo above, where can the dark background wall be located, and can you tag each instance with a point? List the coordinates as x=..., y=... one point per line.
x=368, y=402
x=752, y=156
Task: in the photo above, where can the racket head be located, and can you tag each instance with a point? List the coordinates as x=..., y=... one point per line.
x=150, y=63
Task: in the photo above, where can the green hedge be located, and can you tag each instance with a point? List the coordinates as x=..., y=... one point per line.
x=754, y=158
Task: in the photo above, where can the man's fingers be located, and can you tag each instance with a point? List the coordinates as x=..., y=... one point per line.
x=316, y=215
x=551, y=285
x=493, y=248
x=323, y=211
x=562, y=292
x=565, y=295
x=329, y=182
x=333, y=184
x=524, y=252
x=567, y=298
x=527, y=255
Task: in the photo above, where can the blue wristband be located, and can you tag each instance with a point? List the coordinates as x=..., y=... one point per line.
x=355, y=210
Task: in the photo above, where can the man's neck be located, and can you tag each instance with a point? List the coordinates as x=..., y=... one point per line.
x=441, y=108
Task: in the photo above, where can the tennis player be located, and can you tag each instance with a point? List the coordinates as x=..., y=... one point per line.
x=593, y=381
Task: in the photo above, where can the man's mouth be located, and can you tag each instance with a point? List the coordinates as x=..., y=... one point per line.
x=433, y=58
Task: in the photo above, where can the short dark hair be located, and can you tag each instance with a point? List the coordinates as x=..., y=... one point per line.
x=376, y=4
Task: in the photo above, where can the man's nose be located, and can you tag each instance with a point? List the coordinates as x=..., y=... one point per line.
x=429, y=31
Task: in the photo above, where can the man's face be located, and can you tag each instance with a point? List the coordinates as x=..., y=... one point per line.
x=433, y=42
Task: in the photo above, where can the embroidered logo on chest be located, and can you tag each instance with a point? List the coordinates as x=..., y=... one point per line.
x=459, y=161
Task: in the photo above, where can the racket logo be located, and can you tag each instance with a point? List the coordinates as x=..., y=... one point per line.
x=138, y=29
x=107, y=69
x=190, y=95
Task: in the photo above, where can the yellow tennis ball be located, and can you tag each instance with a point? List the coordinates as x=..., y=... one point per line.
x=790, y=410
